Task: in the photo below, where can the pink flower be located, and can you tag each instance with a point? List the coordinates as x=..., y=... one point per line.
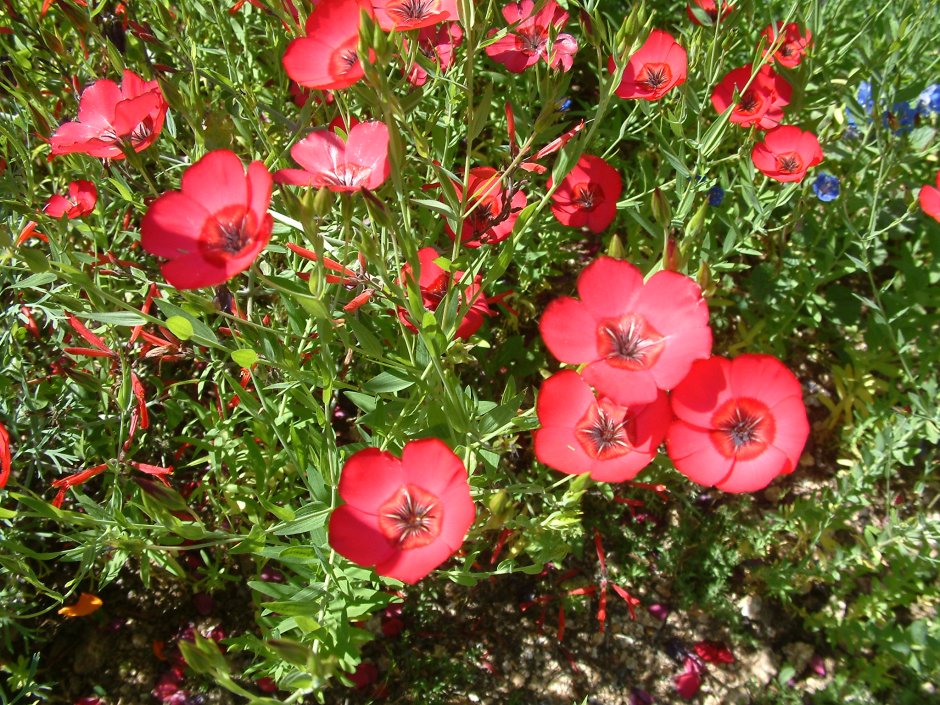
x=761, y=104
x=80, y=202
x=739, y=423
x=327, y=57
x=405, y=517
x=434, y=283
x=214, y=226
x=110, y=116
x=654, y=69
x=794, y=43
x=437, y=44
x=710, y=9
x=361, y=162
x=636, y=338
x=530, y=37
x=492, y=212
x=587, y=196
x=787, y=153
x=403, y=15
x=581, y=434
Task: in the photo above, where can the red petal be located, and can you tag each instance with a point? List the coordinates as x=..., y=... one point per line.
x=356, y=535
x=429, y=464
x=412, y=565
x=609, y=287
x=694, y=455
x=755, y=473
x=172, y=226
x=216, y=181
x=369, y=478
x=569, y=331
x=563, y=400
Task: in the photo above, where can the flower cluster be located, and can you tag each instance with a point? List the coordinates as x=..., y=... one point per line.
x=734, y=424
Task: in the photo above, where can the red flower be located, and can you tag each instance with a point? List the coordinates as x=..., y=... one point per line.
x=739, y=423
x=795, y=43
x=406, y=516
x=327, y=57
x=214, y=226
x=80, y=202
x=581, y=434
x=786, y=153
x=760, y=104
x=110, y=116
x=635, y=338
x=588, y=195
x=492, y=212
x=434, y=284
x=530, y=40
x=710, y=8
x=402, y=15
x=657, y=66
x=929, y=198
x=437, y=44
x=361, y=162
x=6, y=456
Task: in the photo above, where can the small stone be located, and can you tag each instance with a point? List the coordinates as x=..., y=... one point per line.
x=798, y=655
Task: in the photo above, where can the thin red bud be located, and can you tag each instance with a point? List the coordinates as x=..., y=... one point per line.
x=500, y=543
x=511, y=129
x=88, y=352
x=140, y=393
x=90, y=337
x=132, y=428
x=6, y=456
x=561, y=618
x=80, y=477
x=601, y=555
x=628, y=598
x=602, y=610
x=312, y=256
x=358, y=301
x=587, y=590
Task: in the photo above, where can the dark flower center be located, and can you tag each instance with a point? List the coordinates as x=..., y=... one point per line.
x=531, y=40
x=604, y=431
x=587, y=196
x=142, y=131
x=347, y=175
x=344, y=59
x=742, y=428
x=786, y=50
x=412, y=10
x=629, y=342
x=789, y=163
x=655, y=76
x=749, y=103
x=411, y=517
x=228, y=233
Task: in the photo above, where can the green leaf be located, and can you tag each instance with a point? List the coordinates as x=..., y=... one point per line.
x=309, y=517
x=244, y=357
x=180, y=327
x=385, y=382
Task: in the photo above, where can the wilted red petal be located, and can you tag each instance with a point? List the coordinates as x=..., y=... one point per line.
x=713, y=652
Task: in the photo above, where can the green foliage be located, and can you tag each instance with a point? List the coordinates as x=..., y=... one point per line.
x=258, y=403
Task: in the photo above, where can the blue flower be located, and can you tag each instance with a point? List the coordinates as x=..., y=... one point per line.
x=929, y=98
x=900, y=118
x=563, y=105
x=864, y=97
x=826, y=187
x=716, y=195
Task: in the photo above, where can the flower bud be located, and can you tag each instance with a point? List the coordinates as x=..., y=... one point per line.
x=662, y=213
